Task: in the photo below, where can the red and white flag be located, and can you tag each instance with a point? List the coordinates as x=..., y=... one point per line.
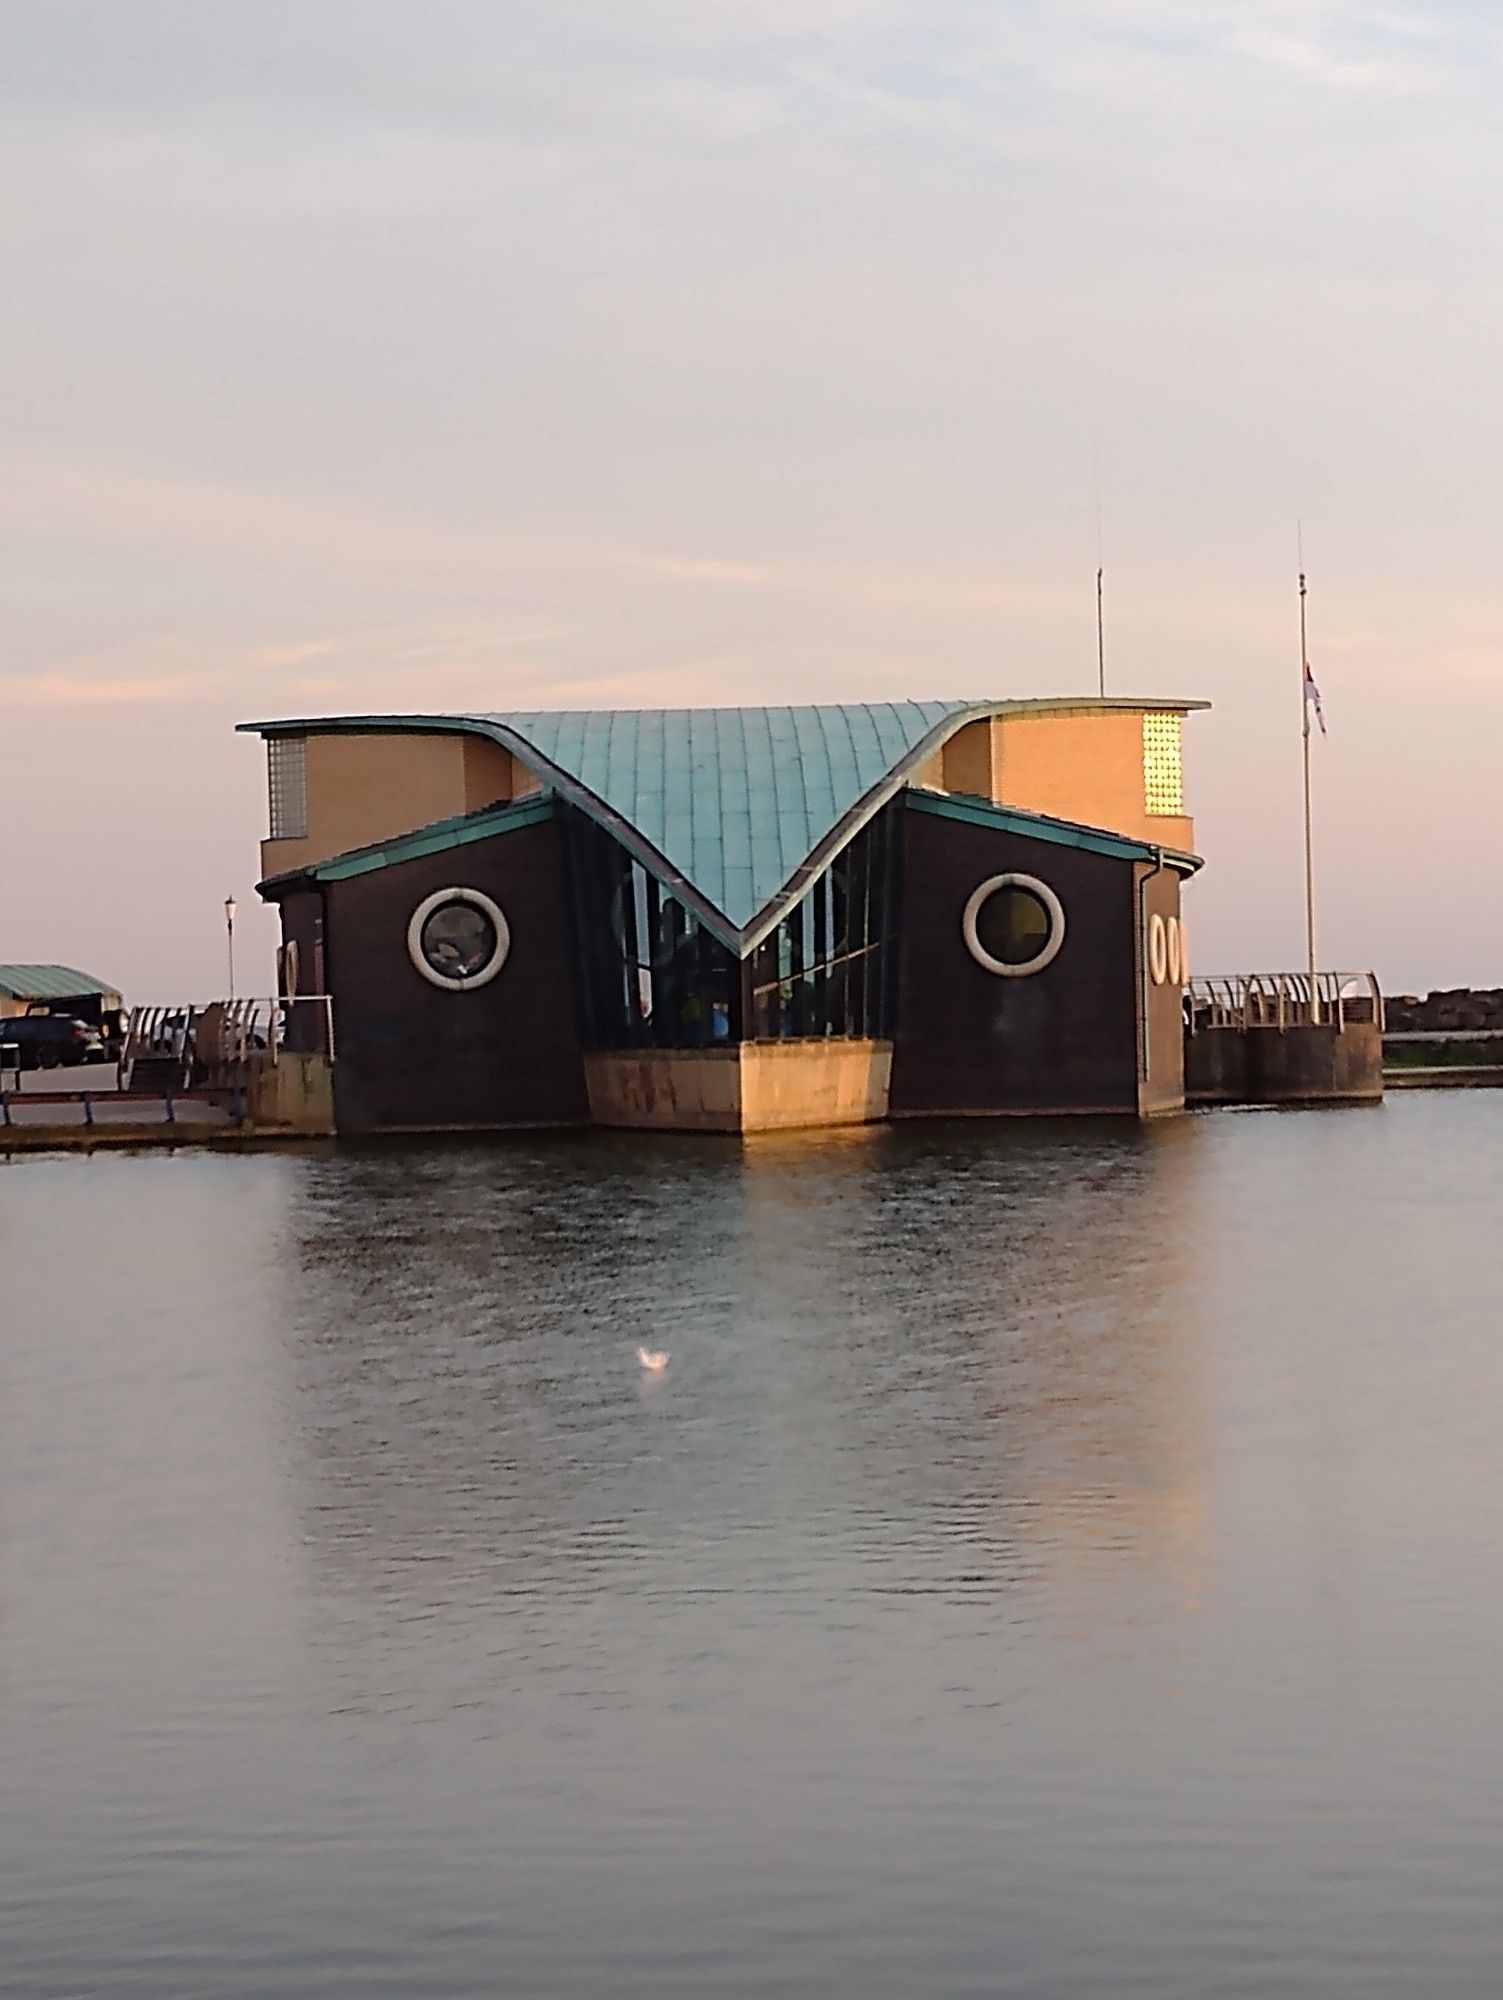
x=1312, y=700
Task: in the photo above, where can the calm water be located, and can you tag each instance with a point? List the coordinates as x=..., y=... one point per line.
x=1056, y=1562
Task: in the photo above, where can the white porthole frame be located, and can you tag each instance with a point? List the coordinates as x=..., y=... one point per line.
x=1158, y=949
x=1174, y=938
x=478, y=899
x=1053, y=908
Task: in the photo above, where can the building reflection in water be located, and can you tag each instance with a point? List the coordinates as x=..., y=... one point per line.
x=952, y=1363
x=1019, y=1367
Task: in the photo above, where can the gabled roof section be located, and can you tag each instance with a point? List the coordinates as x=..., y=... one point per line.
x=733, y=809
x=50, y=982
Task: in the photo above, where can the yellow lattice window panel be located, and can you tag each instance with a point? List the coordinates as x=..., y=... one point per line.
x=287, y=784
x=1163, y=767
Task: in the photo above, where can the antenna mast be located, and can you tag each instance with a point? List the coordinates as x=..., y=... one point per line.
x=1100, y=636
x=1304, y=704
x=1100, y=592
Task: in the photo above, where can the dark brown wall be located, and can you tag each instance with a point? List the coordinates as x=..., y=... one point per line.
x=1163, y=1088
x=1064, y=1039
x=409, y=1054
x=302, y=924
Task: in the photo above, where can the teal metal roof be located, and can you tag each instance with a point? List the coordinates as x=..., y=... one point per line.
x=734, y=809
x=735, y=800
x=439, y=838
x=49, y=982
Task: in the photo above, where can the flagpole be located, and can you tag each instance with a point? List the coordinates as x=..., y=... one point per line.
x=1304, y=703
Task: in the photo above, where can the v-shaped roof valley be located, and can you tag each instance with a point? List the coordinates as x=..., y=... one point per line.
x=734, y=808
x=735, y=800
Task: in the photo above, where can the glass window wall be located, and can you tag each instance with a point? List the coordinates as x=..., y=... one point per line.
x=827, y=968
x=653, y=977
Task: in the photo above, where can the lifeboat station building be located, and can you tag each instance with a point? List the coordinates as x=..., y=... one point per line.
x=736, y=919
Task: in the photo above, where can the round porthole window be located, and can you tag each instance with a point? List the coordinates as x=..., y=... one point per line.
x=1013, y=924
x=458, y=939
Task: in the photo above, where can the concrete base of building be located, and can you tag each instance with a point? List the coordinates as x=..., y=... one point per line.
x=758, y=1087
x=1303, y=1064
x=293, y=1094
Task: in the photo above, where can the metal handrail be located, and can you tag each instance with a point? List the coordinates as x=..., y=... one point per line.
x=224, y=1035
x=1282, y=1000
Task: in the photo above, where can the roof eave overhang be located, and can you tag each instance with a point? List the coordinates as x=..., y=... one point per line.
x=1054, y=832
x=441, y=837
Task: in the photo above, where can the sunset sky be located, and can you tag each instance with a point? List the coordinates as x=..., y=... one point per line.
x=382, y=356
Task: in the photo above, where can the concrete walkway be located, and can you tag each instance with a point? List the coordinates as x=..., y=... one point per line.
x=87, y=1076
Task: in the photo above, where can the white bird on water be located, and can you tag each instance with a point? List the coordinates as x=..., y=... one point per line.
x=653, y=1359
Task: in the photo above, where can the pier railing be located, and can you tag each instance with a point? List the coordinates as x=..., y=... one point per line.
x=1282, y=1000
x=218, y=1042
x=217, y=1070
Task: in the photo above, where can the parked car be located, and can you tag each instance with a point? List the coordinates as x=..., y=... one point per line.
x=48, y=1041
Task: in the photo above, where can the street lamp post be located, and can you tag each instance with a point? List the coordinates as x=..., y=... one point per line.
x=229, y=931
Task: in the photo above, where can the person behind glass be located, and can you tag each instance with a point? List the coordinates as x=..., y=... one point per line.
x=702, y=1021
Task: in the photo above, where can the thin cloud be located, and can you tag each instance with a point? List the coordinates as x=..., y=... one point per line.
x=42, y=496
x=1391, y=77
x=65, y=691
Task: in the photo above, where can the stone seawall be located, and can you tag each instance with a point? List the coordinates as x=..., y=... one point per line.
x=1463, y=1009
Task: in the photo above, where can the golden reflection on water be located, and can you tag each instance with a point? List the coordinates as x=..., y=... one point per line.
x=1054, y=1296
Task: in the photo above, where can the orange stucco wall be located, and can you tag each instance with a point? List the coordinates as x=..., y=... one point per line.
x=1082, y=767
x=364, y=788
x=966, y=760
x=1078, y=764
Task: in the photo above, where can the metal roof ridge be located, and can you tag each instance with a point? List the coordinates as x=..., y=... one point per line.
x=990, y=704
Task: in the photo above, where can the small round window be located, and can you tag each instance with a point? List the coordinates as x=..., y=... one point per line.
x=458, y=939
x=1013, y=924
